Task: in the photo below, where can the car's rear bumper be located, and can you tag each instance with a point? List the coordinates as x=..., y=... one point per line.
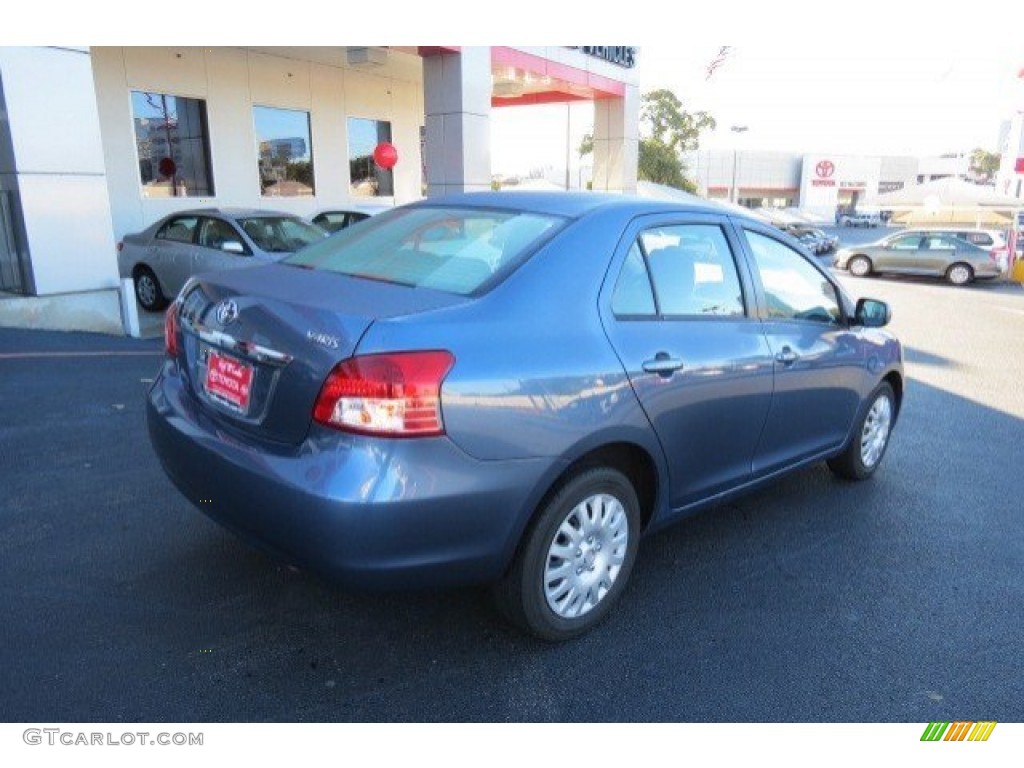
x=365, y=512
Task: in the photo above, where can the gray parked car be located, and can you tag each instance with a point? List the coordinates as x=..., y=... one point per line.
x=163, y=256
x=920, y=253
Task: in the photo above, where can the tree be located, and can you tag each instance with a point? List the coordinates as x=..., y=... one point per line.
x=670, y=124
x=669, y=130
x=659, y=163
x=984, y=164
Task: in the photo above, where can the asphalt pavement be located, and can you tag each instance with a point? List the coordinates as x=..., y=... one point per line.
x=898, y=599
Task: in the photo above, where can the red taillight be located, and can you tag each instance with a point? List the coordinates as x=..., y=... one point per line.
x=171, y=331
x=120, y=246
x=394, y=395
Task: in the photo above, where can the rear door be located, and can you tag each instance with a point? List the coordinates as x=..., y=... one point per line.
x=817, y=359
x=172, y=252
x=676, y=309
x=937, y=253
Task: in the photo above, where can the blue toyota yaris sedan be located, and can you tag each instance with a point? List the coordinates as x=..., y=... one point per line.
x=513, y=388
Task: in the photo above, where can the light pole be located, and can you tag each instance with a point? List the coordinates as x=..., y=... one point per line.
x=732, y=190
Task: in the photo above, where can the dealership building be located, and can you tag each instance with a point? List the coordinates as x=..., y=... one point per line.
x=97, y=143
x=817, y=183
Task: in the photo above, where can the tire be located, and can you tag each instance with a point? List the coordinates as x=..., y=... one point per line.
x=575, y=558
x=147, y=290
x=861, y=457
x=859, y=266
x=960, y=274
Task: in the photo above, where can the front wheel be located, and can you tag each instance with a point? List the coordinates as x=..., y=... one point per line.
x=575, y=558
x=147, y=290
x=862, y=456
x=859, y=266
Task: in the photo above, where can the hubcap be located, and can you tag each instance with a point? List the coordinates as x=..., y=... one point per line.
x=147, y=289
x=859, y=267
x=876, y=431
x=586, y=555
x=960, y=275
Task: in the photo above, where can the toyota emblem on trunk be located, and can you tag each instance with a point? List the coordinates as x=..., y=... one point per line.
x=227, y=312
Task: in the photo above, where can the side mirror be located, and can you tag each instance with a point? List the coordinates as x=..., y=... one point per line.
x=872, y=313
x=232, y=246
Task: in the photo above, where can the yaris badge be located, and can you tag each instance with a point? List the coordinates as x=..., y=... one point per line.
x=226, y=312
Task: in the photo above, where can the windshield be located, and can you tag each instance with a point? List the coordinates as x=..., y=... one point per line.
x=280, y=234
x=448, y=249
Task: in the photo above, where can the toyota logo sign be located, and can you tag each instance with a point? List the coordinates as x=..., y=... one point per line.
x=825, y=168
x=227, y=312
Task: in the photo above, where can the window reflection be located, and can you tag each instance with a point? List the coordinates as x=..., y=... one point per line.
x=367, y=178
x=284, y=151
x=172, y=141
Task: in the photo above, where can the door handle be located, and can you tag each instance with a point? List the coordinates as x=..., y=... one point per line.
x=663, y=365
x=787, y=356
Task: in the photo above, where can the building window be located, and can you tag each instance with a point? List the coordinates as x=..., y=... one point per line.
x=172, y=139
x=284, y=152
x=368, y=178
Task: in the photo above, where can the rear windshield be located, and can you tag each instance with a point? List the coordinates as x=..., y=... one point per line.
x=280, y=234
x=456, y=250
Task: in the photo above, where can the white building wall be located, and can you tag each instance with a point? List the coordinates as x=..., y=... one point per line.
x=232, y=81
x=57, y=166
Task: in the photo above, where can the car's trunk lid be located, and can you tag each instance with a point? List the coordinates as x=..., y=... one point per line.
x=258, y=343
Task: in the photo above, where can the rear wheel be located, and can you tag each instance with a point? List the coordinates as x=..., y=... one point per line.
x=960, y=274
x=147, y=290
x=575, y=558
x=862, y=456
x=859, y=266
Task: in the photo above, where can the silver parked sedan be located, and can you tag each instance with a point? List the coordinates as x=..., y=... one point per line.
x=163, y=256
x=920, y=252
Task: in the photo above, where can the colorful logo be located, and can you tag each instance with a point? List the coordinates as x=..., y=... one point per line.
x=958, y=731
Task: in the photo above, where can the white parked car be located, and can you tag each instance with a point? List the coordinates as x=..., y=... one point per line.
x=860, y=219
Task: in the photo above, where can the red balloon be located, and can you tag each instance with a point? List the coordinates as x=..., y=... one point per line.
x=167, y=167
x=385, y=155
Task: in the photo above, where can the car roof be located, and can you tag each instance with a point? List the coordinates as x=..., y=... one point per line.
x=369, y=208
x=235, y=213
x=575, y=204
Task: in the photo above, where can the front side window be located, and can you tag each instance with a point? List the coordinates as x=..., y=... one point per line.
x=221, y=236
x=281, y=234
x=172, y=141
x=455, y=250
x=367, y=178
x=793, y=288
x=284, y=152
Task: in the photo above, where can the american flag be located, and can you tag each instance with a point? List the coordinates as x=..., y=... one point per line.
x=723, y=53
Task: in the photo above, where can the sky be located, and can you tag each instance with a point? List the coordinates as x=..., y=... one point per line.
x=870, y=77
x=916, y=98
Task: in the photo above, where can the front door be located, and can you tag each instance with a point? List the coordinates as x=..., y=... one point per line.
x=818, y=361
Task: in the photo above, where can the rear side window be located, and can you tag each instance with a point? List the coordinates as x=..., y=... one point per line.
x=978, y=238
x=179, y=230
x=455, y=250
x=692, y=271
